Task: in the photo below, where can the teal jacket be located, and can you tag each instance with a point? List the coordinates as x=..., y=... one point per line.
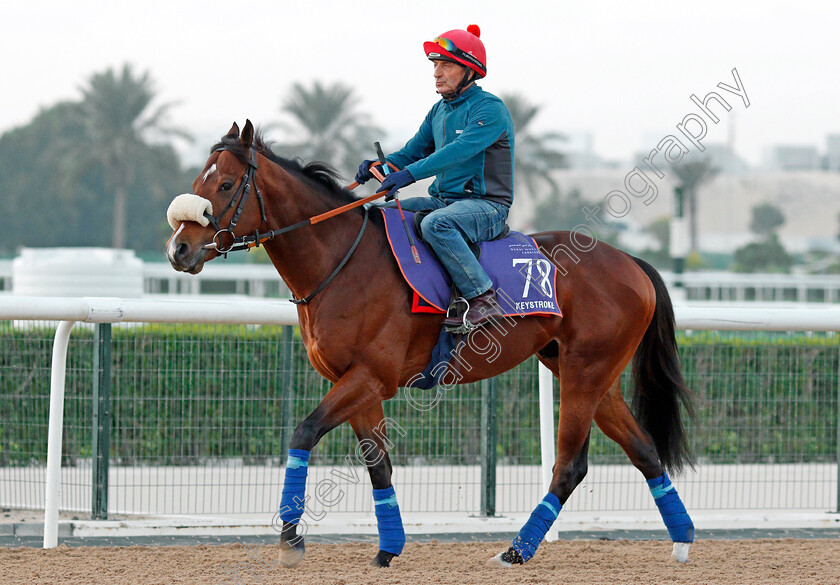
x=467, y=143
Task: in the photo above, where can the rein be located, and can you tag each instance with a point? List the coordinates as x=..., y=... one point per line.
x=257, y=238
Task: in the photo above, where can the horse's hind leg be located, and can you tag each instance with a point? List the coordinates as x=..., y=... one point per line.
x=618, y=423
x=579, y=397
x=370, y=428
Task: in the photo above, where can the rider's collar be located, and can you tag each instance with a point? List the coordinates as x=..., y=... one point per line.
x=467, y=92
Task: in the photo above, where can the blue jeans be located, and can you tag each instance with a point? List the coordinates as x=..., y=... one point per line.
x=447, y=229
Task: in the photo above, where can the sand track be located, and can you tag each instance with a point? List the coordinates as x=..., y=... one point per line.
x=740, y=562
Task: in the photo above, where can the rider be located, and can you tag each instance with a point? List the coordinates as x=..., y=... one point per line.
x=466, y=142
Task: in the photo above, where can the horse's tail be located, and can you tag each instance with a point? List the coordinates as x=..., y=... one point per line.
x=659, y=388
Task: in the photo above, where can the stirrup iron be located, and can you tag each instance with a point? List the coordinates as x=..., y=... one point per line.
x=465, y=326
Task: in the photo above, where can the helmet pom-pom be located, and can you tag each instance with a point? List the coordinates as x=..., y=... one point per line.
x=473, y=28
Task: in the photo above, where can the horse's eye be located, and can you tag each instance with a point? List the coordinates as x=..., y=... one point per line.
x=226, y=186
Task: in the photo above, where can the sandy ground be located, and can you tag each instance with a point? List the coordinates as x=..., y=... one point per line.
x=739, y=562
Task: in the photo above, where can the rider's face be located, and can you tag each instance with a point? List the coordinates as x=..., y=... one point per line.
x=447, y=76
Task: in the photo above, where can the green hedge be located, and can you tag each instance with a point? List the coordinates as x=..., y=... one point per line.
x=188, y=394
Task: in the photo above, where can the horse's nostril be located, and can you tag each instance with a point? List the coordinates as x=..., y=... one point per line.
x=181, y=251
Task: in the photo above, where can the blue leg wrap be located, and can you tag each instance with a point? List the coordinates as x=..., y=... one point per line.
x=531, y=535
x=676, y=519
x=294, y=486
x=389, y=521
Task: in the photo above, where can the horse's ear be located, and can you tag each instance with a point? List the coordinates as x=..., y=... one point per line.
x=233, y=132
x=247, y=137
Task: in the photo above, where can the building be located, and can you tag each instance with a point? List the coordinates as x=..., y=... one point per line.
x=787, y=157
x=578, y=149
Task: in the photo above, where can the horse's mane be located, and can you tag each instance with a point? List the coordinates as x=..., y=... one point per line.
x=320, y=173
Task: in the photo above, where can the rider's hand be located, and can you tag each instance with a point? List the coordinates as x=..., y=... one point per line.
x=364, y=175
x=394, y=182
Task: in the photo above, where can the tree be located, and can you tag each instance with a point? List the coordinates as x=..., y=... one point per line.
x=660, y=229
x=692, y=176
x=560, y=212
x=56, y=189
x=116, y=110
x=767, y=254
x=38, y=204
x=330, y=127
x=535, y=157
x=765, y=219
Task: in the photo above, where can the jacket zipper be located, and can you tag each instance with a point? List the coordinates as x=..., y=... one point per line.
x=445, y=117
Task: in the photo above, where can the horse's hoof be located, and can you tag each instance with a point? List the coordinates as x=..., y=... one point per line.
x=498, y=561
x=382, y=559
x=291, y=555
x=680, y=552
x=507, y=559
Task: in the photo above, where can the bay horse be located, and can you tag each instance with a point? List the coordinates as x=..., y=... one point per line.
x=356, y=322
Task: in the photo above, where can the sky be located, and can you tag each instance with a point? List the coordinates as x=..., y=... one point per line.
x=622, y=71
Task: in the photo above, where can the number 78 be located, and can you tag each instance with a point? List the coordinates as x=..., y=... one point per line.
x=543, y=267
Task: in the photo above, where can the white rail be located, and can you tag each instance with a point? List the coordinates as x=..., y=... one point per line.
x=56, y=426
x=160, y=310
x=281, y=312
x=764, y=318
x=260, y=280
x=112, y=310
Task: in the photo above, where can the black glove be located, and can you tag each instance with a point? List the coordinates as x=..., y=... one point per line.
x=364, y=175
x=394, y=182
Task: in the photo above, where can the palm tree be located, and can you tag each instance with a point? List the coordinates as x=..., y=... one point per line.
x=692, y=175
x=115, y=108
x=534, y=157
x=329, y=126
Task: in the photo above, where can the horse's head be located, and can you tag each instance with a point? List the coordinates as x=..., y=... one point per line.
x=225, y=204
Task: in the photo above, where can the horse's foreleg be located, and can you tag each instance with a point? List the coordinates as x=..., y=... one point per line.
x=576, y=412
x=370, y=429
x=618, y=423
x=355, y=392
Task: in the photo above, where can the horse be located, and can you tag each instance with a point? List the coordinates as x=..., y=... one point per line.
x=359, y=332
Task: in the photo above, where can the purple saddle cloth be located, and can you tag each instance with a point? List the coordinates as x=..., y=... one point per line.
x=524, y=279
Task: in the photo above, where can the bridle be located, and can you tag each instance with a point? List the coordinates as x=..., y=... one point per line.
x=254, y=240
x=238, y=200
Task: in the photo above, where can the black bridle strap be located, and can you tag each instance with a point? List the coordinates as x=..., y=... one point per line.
x=254, y=240
x=241, y=194
x=338, y=268
x=257, y=238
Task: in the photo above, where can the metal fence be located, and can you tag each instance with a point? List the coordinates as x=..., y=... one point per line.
x=197, y=418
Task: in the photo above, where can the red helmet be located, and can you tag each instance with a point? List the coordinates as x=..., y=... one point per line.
x=461, y=46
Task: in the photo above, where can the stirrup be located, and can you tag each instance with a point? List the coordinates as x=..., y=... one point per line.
x=464, y=327
x=453, y=307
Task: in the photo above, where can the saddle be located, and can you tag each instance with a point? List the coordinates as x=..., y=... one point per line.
x=522, y=276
